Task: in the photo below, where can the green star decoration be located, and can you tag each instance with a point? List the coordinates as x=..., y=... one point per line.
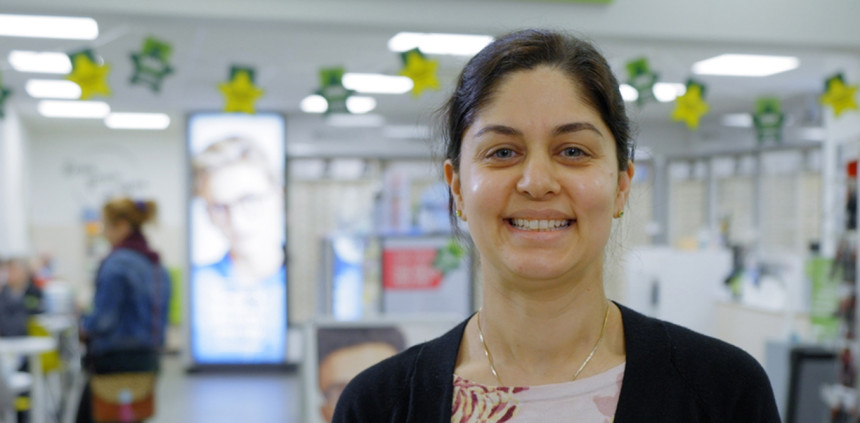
x=839, y=95
x=332, y=89
x=449, y=257
x=690, y=107
x=4, y=94
x=642, y=79
x=151, y=64
x=768, y=120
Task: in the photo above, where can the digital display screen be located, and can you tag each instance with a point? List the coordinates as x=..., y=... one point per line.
x=237, y=240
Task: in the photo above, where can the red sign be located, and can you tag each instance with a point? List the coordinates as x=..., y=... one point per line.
x=410, y=268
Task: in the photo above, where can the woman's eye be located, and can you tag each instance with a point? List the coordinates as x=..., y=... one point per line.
x=503, y=153
x=573, y=152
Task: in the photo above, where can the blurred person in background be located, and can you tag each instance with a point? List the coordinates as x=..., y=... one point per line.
x=125, y=330
x=19, y=297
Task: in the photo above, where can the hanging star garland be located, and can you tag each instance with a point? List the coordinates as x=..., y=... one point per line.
x=642, y=79
x=332, y=89
x=839, y=95
x=768, y=120
x=4, y=94
x=239, y=91
x=151, y=64
x=690, y=107
x=420, y=70
x=91, y=77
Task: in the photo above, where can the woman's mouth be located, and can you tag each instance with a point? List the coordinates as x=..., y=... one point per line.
x=540, y=224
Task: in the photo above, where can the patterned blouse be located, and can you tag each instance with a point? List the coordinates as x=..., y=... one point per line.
x=592, y=399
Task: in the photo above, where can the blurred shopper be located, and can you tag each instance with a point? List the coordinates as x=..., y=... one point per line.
x=238, y=300
x=125, y=330
x=539, y=163
x=19, y=298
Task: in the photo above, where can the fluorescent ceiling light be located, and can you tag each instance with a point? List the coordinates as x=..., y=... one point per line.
x=40, y=62
x=53, y=88
x=48, y=27
x=137, y=121
x=73, y=109
x=738, y=120
x=665, y=92
x=745, y=65
x=314, y=104
x=346, y=120
x=360, y=104
x=428, y=43
x=376, y=83
x=628, y=93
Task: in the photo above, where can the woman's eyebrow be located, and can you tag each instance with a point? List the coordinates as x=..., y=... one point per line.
x=575, y=127
x=499, y=129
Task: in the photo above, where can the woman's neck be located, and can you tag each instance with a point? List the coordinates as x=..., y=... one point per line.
x=542, y=334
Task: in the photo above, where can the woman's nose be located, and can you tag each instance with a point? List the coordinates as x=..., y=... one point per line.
x=538, y=179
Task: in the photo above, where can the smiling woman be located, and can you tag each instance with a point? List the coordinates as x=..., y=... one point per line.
x=539, y=162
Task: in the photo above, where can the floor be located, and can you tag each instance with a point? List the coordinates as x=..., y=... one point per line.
x=226, y=397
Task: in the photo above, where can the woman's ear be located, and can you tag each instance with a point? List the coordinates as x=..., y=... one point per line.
x=452, y=177
x=625, y=180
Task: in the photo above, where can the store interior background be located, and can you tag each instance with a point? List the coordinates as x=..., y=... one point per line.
x=776, y=198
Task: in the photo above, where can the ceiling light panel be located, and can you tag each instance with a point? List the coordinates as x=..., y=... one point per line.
x=375, y=83
x=137, y=121
x=62, y=27
x=53, y=88
x=431, y=43
x=665, y=92
x=73, y=109
x=745, y=65
x=360, y=104
x=40, y=62
x=314, y=103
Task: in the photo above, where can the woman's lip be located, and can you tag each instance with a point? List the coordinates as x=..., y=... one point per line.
x=540, y=215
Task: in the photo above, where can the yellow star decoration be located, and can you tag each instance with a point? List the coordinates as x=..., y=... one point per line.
x=840, y=96
x=421, y=71
x=90, y=77
x=240, y=93
x=690, y=107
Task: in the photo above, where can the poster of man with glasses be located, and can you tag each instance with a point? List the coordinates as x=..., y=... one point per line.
x=238, y=291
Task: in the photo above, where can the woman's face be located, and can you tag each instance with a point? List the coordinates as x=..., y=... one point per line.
x=538, y=181
x=116, y=231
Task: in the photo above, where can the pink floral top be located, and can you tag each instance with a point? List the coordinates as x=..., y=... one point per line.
x=592, y=399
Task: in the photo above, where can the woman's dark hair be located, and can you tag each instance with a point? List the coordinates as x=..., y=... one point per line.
x=525, y=50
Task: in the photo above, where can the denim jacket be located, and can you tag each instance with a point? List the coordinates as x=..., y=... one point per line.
x=130, y=305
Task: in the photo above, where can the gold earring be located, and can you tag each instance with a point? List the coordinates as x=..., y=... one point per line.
x=459, y=214
x=619, y=214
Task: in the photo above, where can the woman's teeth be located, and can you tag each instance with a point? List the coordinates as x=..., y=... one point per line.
x=539, y=225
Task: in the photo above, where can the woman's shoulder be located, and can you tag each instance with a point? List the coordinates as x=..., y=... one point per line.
x=684, y=344
x=725, y=379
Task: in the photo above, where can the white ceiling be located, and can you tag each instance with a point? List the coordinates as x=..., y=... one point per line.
x=288, y=41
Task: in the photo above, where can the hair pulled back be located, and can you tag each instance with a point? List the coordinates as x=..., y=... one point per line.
x=135, y=212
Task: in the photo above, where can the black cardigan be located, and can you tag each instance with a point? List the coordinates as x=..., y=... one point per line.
x=672, y=375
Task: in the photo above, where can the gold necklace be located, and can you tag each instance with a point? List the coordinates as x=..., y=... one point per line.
x=575, y=375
